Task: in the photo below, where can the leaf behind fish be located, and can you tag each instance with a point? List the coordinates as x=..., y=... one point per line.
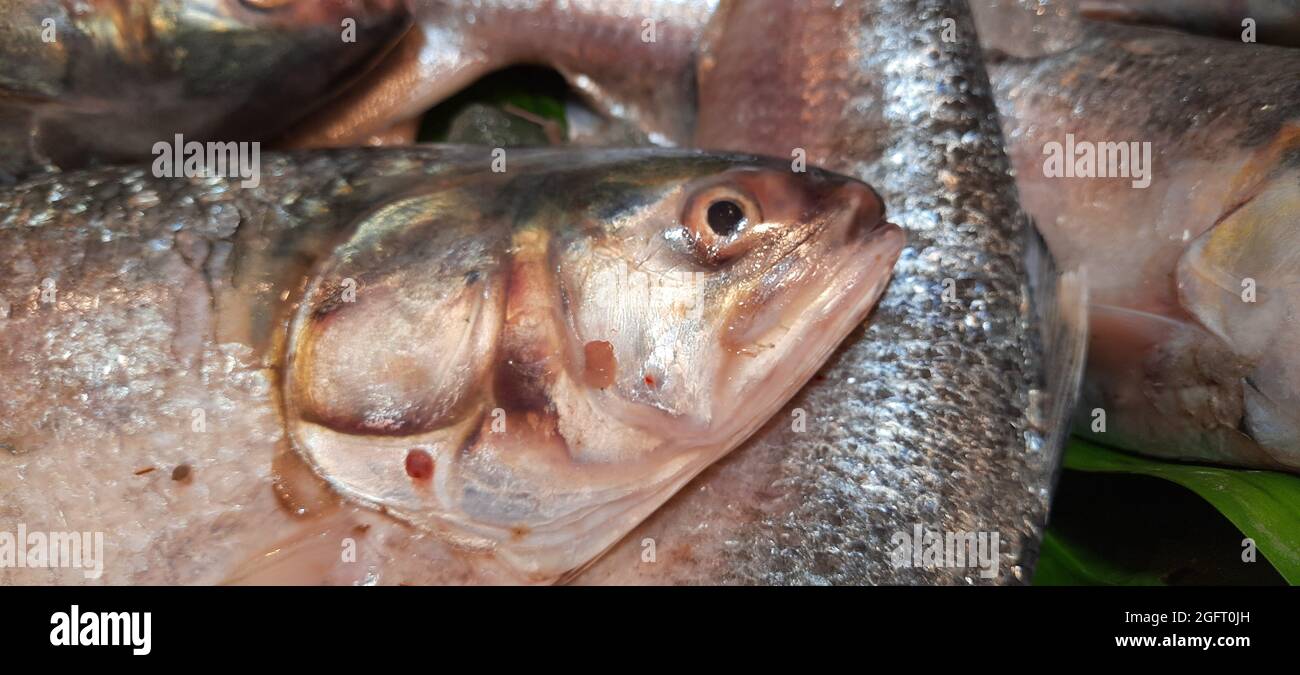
x=1264, y=505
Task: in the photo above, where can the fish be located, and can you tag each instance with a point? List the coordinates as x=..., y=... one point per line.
x=1186, y=227
x=102, y=81
x=1272, y=21
x=944, y=418
x=401, y=365
x=633, y=60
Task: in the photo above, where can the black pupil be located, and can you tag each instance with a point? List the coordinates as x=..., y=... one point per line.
x=725, y=217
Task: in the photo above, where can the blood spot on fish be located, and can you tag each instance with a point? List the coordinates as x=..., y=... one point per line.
x=650, y=381
x=599, y=364
x=182, y=473
x=419, y=464
x=518, y=532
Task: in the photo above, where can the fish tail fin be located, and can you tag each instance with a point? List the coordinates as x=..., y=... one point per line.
x=1060, y=306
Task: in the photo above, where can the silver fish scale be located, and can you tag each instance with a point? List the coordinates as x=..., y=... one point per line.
x=924, y=420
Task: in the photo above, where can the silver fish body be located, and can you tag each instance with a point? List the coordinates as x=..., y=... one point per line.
x=943, y=417
x=1191, y=276
x=465, y=375
x=101, y=81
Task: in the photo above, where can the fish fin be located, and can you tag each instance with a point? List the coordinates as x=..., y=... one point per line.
x=1060, y=304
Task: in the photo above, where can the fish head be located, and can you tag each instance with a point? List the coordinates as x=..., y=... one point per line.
x=532, y=361
x=700, y=301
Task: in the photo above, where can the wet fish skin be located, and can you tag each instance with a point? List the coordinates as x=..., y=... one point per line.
x=1181, y=365
x=943, y=415
x=1276, y=21
x=121, y=76
x=598, y=46
x=158, y=343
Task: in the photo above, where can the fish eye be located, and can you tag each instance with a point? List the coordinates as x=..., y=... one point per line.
x=718, y=219
x=725, y=217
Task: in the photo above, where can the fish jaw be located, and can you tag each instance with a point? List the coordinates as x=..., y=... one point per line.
x=540, y=439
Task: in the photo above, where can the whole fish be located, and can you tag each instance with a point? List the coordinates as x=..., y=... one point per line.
x=1267, y=21
x=442, y=371
x=103, y=80
x=634, y=59
x=1181, y=200
x=943, y=420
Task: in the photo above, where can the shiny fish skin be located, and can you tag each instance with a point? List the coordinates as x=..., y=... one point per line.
x=1276, y=21
x=934, y=416
x=1182, y=367
x=186, y=323
x=121, y=76
x=597, y=45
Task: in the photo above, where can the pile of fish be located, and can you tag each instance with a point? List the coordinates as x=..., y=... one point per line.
x=800, y=334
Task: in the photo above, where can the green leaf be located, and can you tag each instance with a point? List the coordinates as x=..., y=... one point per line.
x=1060, y=563
x=1264, y=505
x=540, y=105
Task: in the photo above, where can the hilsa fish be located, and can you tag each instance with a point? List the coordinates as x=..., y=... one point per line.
x=402, y=366
x=1192, y=277
x=946, y=414
x=100, y=81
